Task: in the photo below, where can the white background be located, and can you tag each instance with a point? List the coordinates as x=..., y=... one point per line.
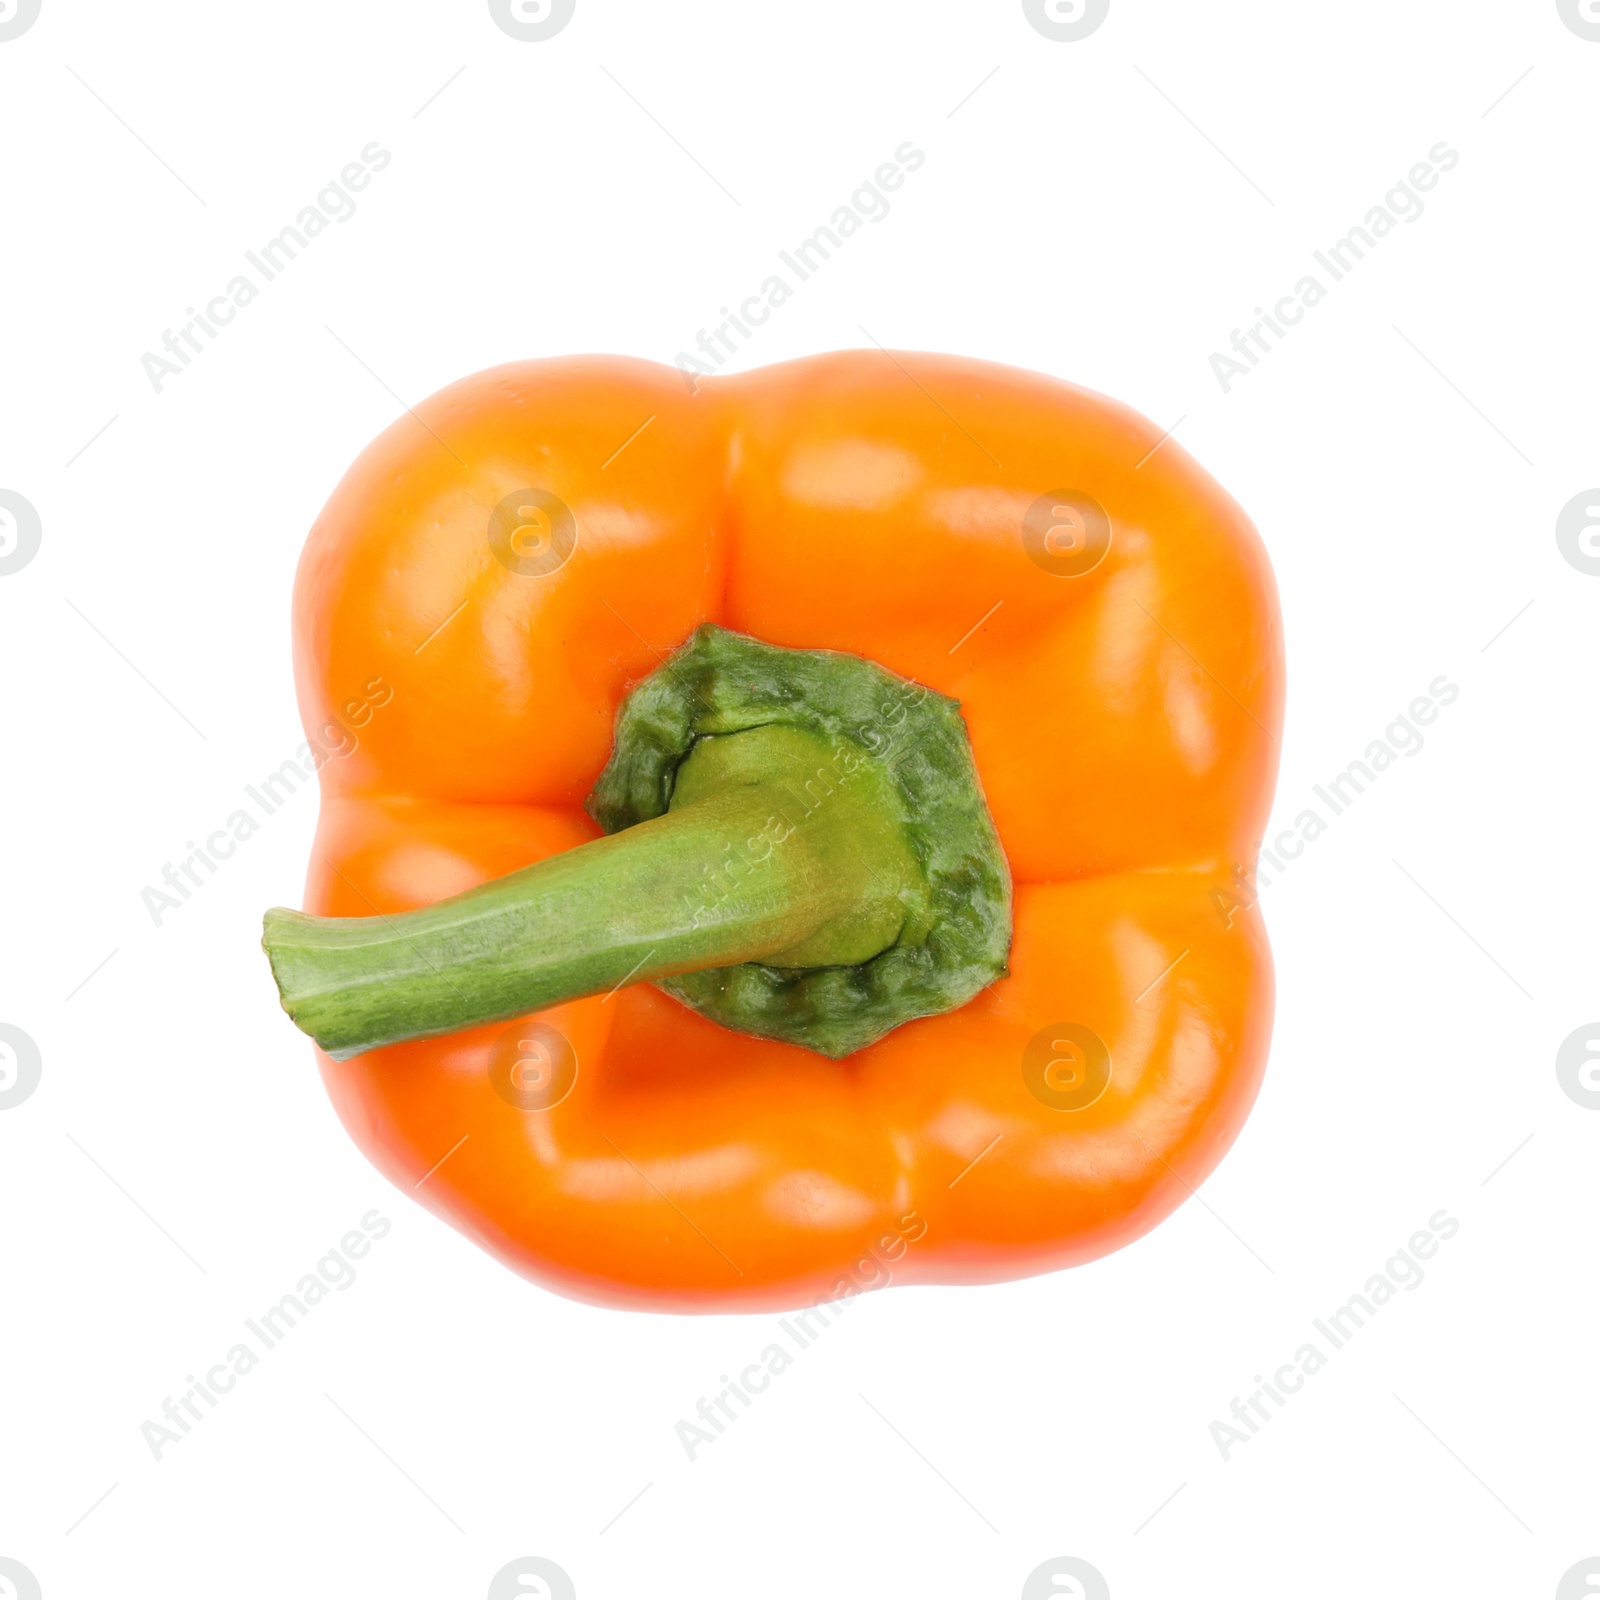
x=1405, y=453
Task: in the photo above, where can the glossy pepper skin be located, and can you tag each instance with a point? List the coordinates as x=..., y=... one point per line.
x=1124, y=724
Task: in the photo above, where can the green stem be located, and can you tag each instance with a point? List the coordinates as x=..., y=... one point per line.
x=753, y=862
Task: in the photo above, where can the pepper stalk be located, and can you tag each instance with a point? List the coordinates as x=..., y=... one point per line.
x=796, y=845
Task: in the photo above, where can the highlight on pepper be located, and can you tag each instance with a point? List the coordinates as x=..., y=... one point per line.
x=809, y=801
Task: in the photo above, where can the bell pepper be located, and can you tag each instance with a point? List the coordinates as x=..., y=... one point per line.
x=808, y=841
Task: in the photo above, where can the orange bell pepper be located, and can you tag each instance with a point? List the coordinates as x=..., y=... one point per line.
x=518, y=555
